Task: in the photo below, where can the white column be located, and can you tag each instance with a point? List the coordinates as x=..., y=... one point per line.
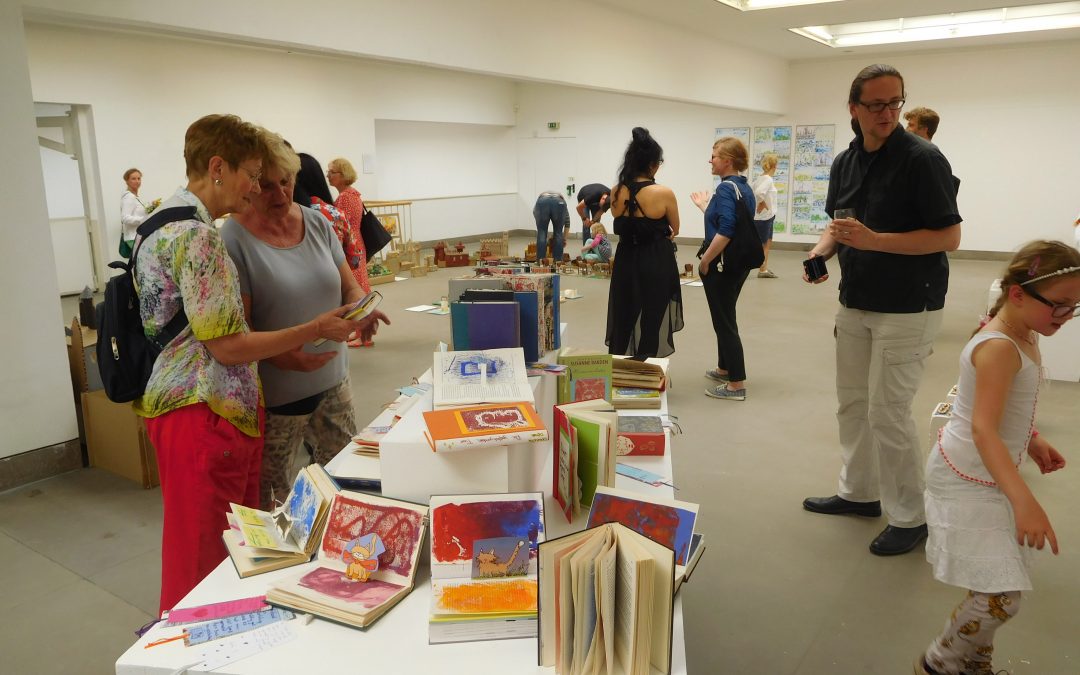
x=36, y=408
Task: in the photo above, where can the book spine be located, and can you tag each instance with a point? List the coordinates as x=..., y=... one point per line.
x=461, y=443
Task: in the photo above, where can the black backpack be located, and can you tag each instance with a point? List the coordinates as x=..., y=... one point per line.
x=745, y=250
x=125, y=355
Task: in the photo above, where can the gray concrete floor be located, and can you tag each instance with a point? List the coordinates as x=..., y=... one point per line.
x=779, y=590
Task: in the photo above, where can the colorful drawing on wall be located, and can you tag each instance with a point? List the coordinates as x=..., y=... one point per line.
x=461, y=523
x=512, y=596
x=398, y=528
x=500, y=557
x=812, y=162
x=776, y=140
x=389, y=221
x=362, y=556
x=669, y=525
x=333, y=583
x=741, y=133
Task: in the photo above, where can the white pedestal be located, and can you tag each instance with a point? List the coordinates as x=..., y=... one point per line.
x=411, y=471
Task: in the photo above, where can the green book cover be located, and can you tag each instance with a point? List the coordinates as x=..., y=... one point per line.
x=588, y=376
x=588, y=456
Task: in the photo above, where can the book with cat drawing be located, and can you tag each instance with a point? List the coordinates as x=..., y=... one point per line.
x=606, y=597
x=366, y=563
x=483, y=566
x=264, y=541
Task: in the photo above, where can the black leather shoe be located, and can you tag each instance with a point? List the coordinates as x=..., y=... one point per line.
x=836, y=506
x=897, y=540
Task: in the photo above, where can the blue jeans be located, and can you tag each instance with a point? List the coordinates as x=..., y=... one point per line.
x=550, y=209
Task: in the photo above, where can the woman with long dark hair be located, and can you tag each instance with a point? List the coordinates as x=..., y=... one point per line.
x=645, y=298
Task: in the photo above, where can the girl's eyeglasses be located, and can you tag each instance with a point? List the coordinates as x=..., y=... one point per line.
x=1057, y=311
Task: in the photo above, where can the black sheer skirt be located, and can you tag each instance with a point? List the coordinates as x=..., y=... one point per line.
x=645, y=298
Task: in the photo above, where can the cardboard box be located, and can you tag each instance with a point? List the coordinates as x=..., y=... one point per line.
x=82, y=359
x=117, y=441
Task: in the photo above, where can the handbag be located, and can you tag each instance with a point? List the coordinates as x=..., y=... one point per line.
x=373, y=233
x=744, y=251
x=125, y=248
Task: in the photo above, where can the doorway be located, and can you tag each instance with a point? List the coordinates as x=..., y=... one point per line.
x=69, y=167
x=546, y=164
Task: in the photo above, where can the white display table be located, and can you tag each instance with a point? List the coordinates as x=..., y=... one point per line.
x=396, y=643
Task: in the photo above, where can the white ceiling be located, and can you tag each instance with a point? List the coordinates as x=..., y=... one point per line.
x=767, y=30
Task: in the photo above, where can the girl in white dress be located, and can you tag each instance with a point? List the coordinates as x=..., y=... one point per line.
x=983, y=518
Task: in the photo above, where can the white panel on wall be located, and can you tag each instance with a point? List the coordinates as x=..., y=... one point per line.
x=438, y=159
x=63, y=189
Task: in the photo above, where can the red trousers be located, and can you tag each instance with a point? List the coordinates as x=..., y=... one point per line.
x=204, y=463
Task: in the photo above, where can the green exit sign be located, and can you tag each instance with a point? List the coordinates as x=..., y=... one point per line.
x=553, y=126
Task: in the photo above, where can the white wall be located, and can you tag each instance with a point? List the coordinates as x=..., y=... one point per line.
x=601, y=123
x=36, y=407
x=560, y=41
x=1008, y=127
x=145, y=91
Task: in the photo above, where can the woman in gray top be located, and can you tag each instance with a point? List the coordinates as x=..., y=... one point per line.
x=291, y=267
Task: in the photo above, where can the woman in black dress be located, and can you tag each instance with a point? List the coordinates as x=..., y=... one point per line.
x=645, y=298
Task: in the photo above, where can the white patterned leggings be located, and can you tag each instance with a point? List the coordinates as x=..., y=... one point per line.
x=967, y=643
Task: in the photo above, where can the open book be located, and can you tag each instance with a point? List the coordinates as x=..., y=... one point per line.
x=606, y=603
x=483, y=566
x=648, y=374
x=262, y=541
x=667, y=521
x=366, y=564
x=475, y=377
x=583, y=452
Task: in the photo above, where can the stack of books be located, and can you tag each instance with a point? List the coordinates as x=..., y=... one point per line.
x=483, y=566
x=637, y=384
x=516, y=309
x=481, y=398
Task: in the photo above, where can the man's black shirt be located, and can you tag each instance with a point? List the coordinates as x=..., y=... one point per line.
x=905, y=185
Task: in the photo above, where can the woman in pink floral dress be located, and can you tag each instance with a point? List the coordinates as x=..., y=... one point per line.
x=341, y=176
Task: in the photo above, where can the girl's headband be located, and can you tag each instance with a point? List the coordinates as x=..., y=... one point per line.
x=1066, y=270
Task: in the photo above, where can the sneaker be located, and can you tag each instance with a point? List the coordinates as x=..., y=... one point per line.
x=767, y=274
x=722, y=392
x=716, y=375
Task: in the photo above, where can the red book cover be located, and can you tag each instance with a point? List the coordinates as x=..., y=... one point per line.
x=640, y=435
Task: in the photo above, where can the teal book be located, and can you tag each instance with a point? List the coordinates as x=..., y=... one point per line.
x=485, y=325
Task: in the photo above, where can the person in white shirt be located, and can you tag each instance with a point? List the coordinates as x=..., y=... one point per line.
x=765, y=194
x=132, y=211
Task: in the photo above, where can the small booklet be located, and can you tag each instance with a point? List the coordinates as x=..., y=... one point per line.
x=483, y=566
x=361, y=309
x=264, y=541
x=366, y=562
x=606, y=599
x=483, y=425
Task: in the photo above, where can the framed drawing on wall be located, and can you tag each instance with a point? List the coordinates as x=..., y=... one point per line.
x=390, y=222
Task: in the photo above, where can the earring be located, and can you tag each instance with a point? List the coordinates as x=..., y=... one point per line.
x=217, y=181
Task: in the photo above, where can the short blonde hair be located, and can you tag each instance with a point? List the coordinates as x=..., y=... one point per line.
x=597, y=228
x=348, y=173
x=279, y=154
x=224, y=136
x=769, y=161
x=734, y=149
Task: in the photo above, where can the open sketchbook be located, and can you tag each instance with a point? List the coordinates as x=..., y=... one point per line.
x=483, y=566
x=264, y=541
x=667, y=521
x=484, y=376
x=606, y=599
x=366, y=563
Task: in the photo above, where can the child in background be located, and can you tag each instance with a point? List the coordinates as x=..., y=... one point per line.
x=983, y=518
x=597, y=249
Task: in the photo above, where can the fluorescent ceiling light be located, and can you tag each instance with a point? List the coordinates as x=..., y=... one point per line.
x=946, y=26
x=748, y=5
